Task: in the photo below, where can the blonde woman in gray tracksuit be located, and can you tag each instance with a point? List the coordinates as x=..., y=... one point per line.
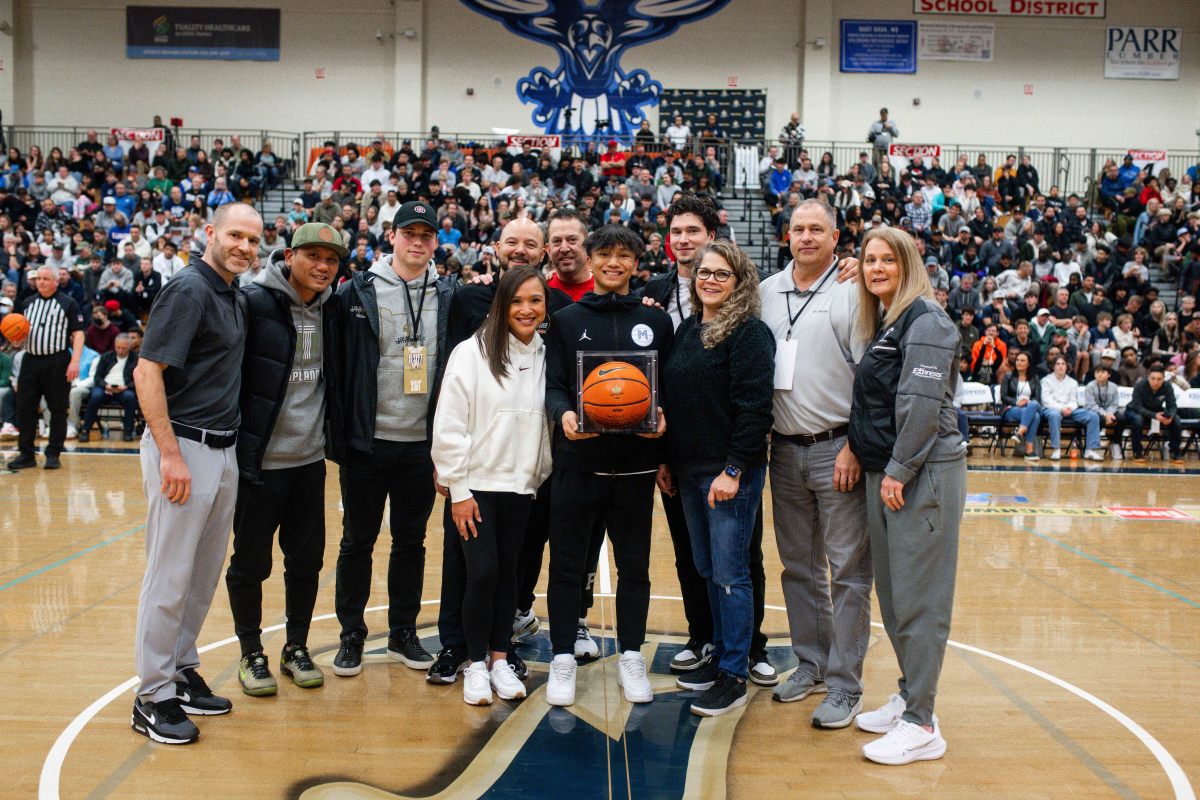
x=903, y=428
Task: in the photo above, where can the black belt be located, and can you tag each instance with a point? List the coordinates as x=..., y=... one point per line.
x=217, y=441
x=809, y=439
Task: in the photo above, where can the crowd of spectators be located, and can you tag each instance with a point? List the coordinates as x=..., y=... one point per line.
x=1019, y=267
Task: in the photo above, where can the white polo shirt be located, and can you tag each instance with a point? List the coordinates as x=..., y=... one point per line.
x=826, y=355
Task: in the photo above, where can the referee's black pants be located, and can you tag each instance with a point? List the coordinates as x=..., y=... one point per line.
x=694, y=589
x=43, y=376
x=293, y=501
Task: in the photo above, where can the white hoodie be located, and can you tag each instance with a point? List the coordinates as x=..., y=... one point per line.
x=490, y=435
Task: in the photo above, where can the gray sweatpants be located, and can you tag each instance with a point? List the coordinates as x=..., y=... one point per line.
x=915, y=551
x=185, y=553
x=822, y=539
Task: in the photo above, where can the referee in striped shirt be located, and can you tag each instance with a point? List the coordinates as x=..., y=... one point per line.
x=52, y=351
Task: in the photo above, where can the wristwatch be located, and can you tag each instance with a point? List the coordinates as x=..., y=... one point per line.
x=732, y=471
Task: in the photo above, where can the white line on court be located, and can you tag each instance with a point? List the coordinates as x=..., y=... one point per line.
x=602, y=568
x=48, y=785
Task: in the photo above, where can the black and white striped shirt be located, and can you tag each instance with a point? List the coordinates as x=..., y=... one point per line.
x=52, y=321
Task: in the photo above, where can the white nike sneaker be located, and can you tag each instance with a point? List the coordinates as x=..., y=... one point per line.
x=560, y=689
x=631, y=676
x=525, y=625
x=477, y=685
x=884, y=718
x=505, y=682
x=906, y=743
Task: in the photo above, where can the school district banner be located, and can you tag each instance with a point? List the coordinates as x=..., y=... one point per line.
x=225, y=34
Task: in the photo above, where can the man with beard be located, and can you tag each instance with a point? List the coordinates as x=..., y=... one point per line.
x=188, y=380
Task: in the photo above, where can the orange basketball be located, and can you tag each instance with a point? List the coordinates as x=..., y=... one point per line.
x=616, y=394
x=14, y=327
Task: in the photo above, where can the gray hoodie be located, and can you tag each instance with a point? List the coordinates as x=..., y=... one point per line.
x=400, y=416
x=298, y=437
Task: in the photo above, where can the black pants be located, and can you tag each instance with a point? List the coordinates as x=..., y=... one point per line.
x=401, y=472
x=529, y=567
x=626, y=504
x=43, y=376
x=491, y=570
x=99, y=397
x=1136, y=423
x=292, y=500
x=694, y=589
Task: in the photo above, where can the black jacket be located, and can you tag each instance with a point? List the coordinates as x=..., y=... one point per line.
x=107, y=361
x=662, y=289
x=1008, y=390
x=470, y=305
x=600, y=322
x=358, y=315
x=1146, y=402
x=267, y=366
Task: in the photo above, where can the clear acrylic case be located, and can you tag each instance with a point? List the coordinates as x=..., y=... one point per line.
x=644, y=360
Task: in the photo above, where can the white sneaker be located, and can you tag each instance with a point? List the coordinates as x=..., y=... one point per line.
x=525, y=625
x=560, y=689
x=585, y=646
x=477, y=685
x=1093, y=455
x=884, y=718
x=72, y=432
x=9, y=431
x=1015, y=441
x=505, y=682
x=906, y=743
x=1056, y=454
x=1117, y=455
x=631, y=676
x=43, y=429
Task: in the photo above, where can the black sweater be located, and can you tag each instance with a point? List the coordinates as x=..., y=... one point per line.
x=601, y=322
x=719, y=402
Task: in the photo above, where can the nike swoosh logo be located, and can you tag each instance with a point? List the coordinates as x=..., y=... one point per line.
x=604, y=372
x=522, y=369
x=151, y=719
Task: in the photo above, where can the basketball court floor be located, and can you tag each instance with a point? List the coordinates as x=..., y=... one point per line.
x=1073, y=671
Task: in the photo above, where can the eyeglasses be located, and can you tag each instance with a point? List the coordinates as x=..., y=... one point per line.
x=718, y=275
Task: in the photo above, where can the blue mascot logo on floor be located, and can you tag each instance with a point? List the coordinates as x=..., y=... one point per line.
x=589, y=95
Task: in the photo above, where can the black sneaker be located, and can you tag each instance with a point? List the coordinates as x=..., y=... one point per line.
x=51, y=462
x=517, y=664
x=127, y=436
x=726, y=694
x=406, y=648
x=762, y=671
x=447, y=665
x=163, y=722
x=699, y=679
x=694, y=655
x=84, y=436
x=348, y=660
x=196, y=698
x=22, y=462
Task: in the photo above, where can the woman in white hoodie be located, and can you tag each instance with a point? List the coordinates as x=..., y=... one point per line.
x=491, y=449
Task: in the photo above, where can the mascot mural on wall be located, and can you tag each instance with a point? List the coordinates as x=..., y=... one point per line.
x=589, y=95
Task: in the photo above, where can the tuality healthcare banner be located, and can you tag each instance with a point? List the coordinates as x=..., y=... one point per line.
x=225, y=34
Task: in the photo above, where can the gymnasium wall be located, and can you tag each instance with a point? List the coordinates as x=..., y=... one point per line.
x=68, y=66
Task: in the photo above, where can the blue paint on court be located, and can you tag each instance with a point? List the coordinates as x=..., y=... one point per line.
x=68, y=559
x=1133, y=576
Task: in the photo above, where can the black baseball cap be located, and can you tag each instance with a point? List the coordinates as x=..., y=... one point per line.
x=415, y=211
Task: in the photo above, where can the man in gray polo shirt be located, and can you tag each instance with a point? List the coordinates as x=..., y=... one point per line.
x=188, y=379
x=819, y=506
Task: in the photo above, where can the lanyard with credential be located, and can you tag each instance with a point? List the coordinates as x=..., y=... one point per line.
x=415, y=318
x=811, y=294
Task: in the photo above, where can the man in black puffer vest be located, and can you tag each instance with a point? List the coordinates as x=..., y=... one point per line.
x=287, y=407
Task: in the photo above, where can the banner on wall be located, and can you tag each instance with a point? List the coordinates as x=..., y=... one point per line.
x=956, y=41
x=1155, y=159
x=1057, y=9
x=1148, y=54
x=901, y=154
x=878, y=45
x=128, y=137
x=225, y=34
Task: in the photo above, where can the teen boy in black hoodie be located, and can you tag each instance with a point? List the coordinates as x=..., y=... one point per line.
x=609, y=476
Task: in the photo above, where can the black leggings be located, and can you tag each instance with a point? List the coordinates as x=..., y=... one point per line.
x=491, y=571
x=625, y=504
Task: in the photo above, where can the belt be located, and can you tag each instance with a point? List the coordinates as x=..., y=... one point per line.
x=217, y=441
x=809, y=439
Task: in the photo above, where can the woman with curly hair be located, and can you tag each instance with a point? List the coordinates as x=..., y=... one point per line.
x=717, y=384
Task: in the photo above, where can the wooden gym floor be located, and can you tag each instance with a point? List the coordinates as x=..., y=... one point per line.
x=1074, y=669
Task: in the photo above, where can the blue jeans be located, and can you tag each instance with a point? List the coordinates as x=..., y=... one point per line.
x=1079, y=415
x=1028, y=416
x=721, y=549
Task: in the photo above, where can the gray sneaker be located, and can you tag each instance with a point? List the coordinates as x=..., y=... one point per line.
x=837, y=710
x=798, y=686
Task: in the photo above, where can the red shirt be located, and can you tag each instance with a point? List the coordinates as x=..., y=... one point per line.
x=613, y=164
x=575, y=290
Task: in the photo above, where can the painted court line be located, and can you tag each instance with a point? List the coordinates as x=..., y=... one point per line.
x=68, y=559
x=48, y=784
